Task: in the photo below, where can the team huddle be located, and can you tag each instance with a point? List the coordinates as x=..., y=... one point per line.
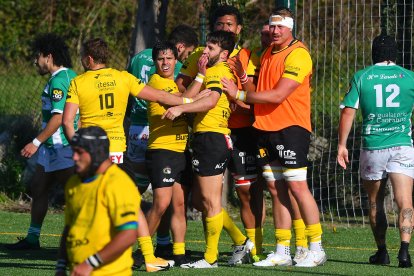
x=193, y=113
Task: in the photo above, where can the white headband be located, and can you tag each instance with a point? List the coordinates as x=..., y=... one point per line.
x=280, y=20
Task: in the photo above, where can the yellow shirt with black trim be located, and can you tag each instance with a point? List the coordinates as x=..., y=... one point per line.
x=95, y=212
x=165, y=134
x=102, y=96
x=215, y=119
x=190, y=66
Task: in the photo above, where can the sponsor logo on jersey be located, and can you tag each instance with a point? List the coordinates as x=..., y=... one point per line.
x=180, y=137
x=166, y=170
x=168, y=180
x=103, y=85
x=76, y=242
x=116, y=158
x=195, y=162
x=57, y=95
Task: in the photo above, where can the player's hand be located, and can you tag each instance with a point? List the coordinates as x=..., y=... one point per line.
x=29, y=150
x=342, y=157
x=202, y=64
x=83, y=269
x=236, y=65
x=172, y=112
x=202, y=94
x=229, y=87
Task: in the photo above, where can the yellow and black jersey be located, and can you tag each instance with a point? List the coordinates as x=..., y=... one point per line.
x=165, y=134
x=102, y=96
x=216, y=119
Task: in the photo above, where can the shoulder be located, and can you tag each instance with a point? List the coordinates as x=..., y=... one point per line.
x=116, y=179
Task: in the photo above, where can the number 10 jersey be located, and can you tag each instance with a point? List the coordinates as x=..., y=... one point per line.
x=102, y=96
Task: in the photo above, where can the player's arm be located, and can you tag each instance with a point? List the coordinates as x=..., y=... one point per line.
x=277, y=95
x=345, y=125
x=247, y=82
x=51, y=127
x=151, y=94
x=69, y=114
x=62, y=260
x=201, y=105
x=183, y=82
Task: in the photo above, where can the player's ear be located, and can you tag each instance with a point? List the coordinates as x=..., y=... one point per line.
x=180, y=47
x=224, y=55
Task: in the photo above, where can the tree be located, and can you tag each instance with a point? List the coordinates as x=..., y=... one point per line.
x=150, y=24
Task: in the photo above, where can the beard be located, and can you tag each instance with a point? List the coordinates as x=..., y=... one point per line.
x=213, y=60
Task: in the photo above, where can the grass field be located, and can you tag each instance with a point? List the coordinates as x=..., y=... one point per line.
x=348, y=249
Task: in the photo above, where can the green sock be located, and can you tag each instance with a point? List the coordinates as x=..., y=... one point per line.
x=33, y=233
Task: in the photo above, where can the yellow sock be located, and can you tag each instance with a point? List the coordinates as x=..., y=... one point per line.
x=300, y=237
x=314, y=232
x=214, y=225
x=178, y=248
x=283, y=237
x=147, y=249
x=231, y=228
x=256, y=236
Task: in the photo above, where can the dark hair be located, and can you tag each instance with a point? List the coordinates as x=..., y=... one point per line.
x=183, y=34
x=225, y=40
x=97, y=49
x=163, y=46
x=384, y=48
x=53, y=44
x=223, y=10
x=283, y=11
x=95, y=141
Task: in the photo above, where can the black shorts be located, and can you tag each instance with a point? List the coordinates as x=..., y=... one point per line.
x=127, y=167
x=166, y=167
x=243, y=157
x=290, y=146
x=211, y=152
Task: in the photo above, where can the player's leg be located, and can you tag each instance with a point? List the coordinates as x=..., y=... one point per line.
x=137, y=146
x=179, y=222
x=310, y=214
x=55, y=166
x=211, y=152
x=374, y=179
x=403, y=189
x=161, y=201
x=243, y=166
x=376, y=193
x=401, y=172
x=299, y=227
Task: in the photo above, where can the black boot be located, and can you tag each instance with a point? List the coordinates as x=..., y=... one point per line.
x=404, y=259
x=381, y=257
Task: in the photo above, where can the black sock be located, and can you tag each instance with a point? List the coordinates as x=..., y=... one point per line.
x=404, y=246
x=382, y=247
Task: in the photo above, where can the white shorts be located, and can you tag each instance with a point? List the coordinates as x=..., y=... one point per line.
x=137, y=143
x=376, y=164
x=54, y=159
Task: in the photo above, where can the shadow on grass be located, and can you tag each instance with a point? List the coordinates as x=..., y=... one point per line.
x=28, y=259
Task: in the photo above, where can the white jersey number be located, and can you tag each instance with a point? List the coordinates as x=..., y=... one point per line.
x=389, y=101
x=144, y=72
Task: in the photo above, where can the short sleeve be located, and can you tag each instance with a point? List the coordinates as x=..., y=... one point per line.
x=351, y=98
x=123, y=199
x=73, y=96
x=298, y=65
